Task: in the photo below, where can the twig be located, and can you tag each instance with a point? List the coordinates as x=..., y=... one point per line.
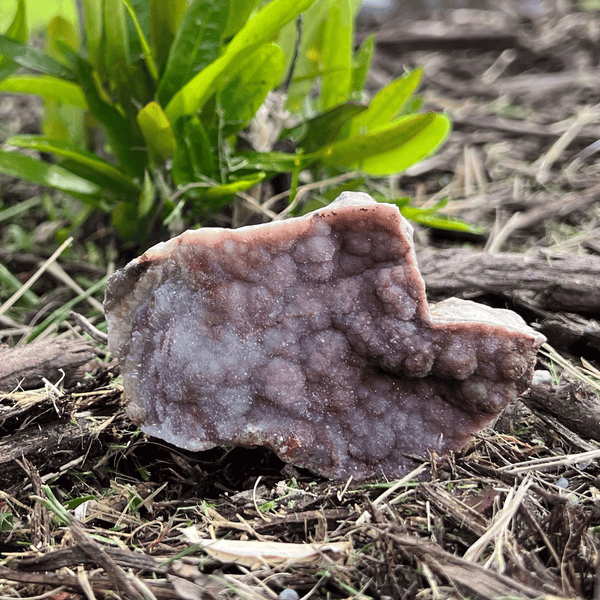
x=550, y=462
x=88, y=328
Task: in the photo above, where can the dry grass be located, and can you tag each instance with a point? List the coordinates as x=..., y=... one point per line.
x=513, y=515
x=89, y=507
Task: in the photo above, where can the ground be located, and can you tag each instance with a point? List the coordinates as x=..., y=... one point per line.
x=89, y=505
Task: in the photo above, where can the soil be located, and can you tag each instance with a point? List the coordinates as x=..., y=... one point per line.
x=89, y=506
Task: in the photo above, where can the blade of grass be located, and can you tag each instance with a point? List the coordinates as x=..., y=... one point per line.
x=57, y=271
x=90, y=161
x=32, y=58
x=12, y=211
x=8, y=280
x=17, y=31
x=62, y=313
x=35, y=276
x=152, y=69
x=46, y=86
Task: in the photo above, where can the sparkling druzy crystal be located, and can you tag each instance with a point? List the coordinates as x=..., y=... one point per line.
x=311, y=336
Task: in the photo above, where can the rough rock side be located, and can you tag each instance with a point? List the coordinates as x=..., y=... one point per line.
x=311, y=336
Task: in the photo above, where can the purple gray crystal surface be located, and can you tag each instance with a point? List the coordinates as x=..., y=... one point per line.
x=311, y=336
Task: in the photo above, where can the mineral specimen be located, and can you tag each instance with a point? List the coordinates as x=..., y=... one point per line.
x=311, y=336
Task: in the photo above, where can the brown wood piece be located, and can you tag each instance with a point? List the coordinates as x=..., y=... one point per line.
x=25, y=366
x=574, y=404
x=43, y=444
x=553, y=281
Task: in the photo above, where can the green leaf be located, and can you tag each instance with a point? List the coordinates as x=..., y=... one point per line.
x=42, y=173
x=46, y=86
x=126, y=145
x=439, y=221
x=11, y=284
x=388, y=149
x=34, y=59
x=165, y=17
x=116, y=38
x=88, y=161
x=193, y=156
x=16, y=31
x=274, y=162
x=213, y=198
x=239, y=11
x=387, y=103
x=228, y=189
x=409, y=150
x=361, y=64
x=61, y=39
x=62, y=121
x=93, y=17
x=148, y=58
x=318, y=131
x=7, y=522
x=246, y=91
x=56, y=318
x=157, y=131
x=146, y=197
x=9, y=214
x=307, y=65
x=257, y=31
x=125, y=220
x=196, y=45
x=338, y=40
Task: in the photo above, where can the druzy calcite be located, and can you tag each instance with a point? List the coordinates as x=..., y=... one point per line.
x=311, y=336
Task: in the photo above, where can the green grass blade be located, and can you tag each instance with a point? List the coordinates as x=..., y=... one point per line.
x=85, y=159
x=361, y=64
x=116, y=37
x=62, y=120
x=46, y=86
x=148, y=58
x=42, y=173
x=12, y=284
x=338, y=41
x=229, y=189
x=275, y=162
x=197, y=44
x=61, y=314
x=439, y=221
x=13, y=211
x=94, y=27
x=257, y=31
x=165, y=17
x=16, y=31
x=34, y=59
x=126, y=145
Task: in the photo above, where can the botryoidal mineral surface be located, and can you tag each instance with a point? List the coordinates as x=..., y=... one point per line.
x=313, y=337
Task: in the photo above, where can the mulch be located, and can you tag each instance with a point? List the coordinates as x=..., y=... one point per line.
x=89, y=506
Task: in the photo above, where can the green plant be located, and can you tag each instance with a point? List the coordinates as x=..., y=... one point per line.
x=173, y=87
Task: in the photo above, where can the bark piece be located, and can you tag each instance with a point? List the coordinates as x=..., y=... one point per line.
x=552, y=281
x=25, y=366
x=313, y=337
x=575, y=404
